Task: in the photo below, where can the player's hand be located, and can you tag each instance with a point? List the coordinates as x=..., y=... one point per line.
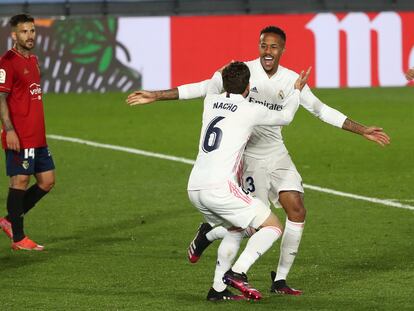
x=410, y=74
x=376, y=134
x=12, y=141
x=303, y=79
x=141, y=98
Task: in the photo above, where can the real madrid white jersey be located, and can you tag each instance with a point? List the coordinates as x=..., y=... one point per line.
x=270, y=92
x=228, y=121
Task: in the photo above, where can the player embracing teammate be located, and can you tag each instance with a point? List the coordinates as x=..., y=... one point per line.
x=228, y=121
x=268, y=171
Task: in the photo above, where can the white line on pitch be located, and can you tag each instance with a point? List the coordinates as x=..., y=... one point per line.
x=400, y=200
x=120, y=148
x=189, y=161
x=360, y=197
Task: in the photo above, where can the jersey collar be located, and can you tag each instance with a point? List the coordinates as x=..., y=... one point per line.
x=20, y=54
x=238, y=97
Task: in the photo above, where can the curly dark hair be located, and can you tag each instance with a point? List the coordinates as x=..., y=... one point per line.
x=236, y=78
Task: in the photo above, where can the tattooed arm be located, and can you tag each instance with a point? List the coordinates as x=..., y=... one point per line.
x=375, y=134
x=11, y=137
x=146, y=97
x=336, y=118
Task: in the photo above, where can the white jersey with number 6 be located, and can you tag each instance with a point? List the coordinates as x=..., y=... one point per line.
x=228, y=121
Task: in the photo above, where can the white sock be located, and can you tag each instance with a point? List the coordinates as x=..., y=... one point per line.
x=226, y=253
x=216, y=233
x=289, y=248
x=257, y=245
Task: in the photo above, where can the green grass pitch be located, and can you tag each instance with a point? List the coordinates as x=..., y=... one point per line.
x=117, y=225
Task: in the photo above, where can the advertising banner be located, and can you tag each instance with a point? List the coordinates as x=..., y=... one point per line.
x=345, y=50
x=79, y=55
x=355, y=49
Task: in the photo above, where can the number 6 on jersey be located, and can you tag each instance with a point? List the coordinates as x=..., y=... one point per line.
x=212, y=138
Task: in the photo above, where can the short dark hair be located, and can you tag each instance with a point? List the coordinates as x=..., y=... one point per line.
x=20, y=18
x=236, y=77
x=275, y=30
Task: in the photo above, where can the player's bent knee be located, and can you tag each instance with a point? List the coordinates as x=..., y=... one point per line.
x=46, y=185
x=292, y=203
x=272, y=221
x=227, y=253
x=297, y=214
x=19, y=182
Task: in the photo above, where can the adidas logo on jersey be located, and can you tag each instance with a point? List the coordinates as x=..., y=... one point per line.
x=254, y=89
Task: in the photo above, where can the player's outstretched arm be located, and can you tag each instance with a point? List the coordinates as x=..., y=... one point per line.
x=373, y=133
x=12, y=140
x=334, y=117
x=185, y=91
x=146, y=97
x=410, y=74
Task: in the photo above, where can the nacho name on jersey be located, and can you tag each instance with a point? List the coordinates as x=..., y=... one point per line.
x=225, y=106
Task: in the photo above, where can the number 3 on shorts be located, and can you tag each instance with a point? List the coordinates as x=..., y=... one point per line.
x=250, y=184
x=29, y=153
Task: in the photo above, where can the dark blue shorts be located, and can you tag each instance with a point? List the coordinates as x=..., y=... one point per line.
x=28, y=161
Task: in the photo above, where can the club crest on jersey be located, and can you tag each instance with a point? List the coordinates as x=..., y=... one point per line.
x=25, y=164
x=2, y=76
x=25, y=71
x=281, y=95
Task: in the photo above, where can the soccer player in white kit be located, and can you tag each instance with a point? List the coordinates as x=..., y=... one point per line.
x=213, y=187
x=269, y=172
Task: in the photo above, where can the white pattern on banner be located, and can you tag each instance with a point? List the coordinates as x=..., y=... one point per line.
x=147, y=40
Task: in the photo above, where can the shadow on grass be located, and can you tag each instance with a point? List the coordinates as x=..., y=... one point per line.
x=17, y=259
x=91, y=239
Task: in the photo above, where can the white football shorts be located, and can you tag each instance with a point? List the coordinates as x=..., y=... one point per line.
x=229, y=206
x=264, y=179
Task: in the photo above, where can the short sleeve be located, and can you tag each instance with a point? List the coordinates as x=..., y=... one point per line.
x=6, y=75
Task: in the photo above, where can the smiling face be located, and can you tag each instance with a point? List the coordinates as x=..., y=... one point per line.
x=23, y=35
x=271, y=48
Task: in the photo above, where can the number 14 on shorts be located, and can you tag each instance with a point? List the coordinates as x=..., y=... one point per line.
x=29, y=153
